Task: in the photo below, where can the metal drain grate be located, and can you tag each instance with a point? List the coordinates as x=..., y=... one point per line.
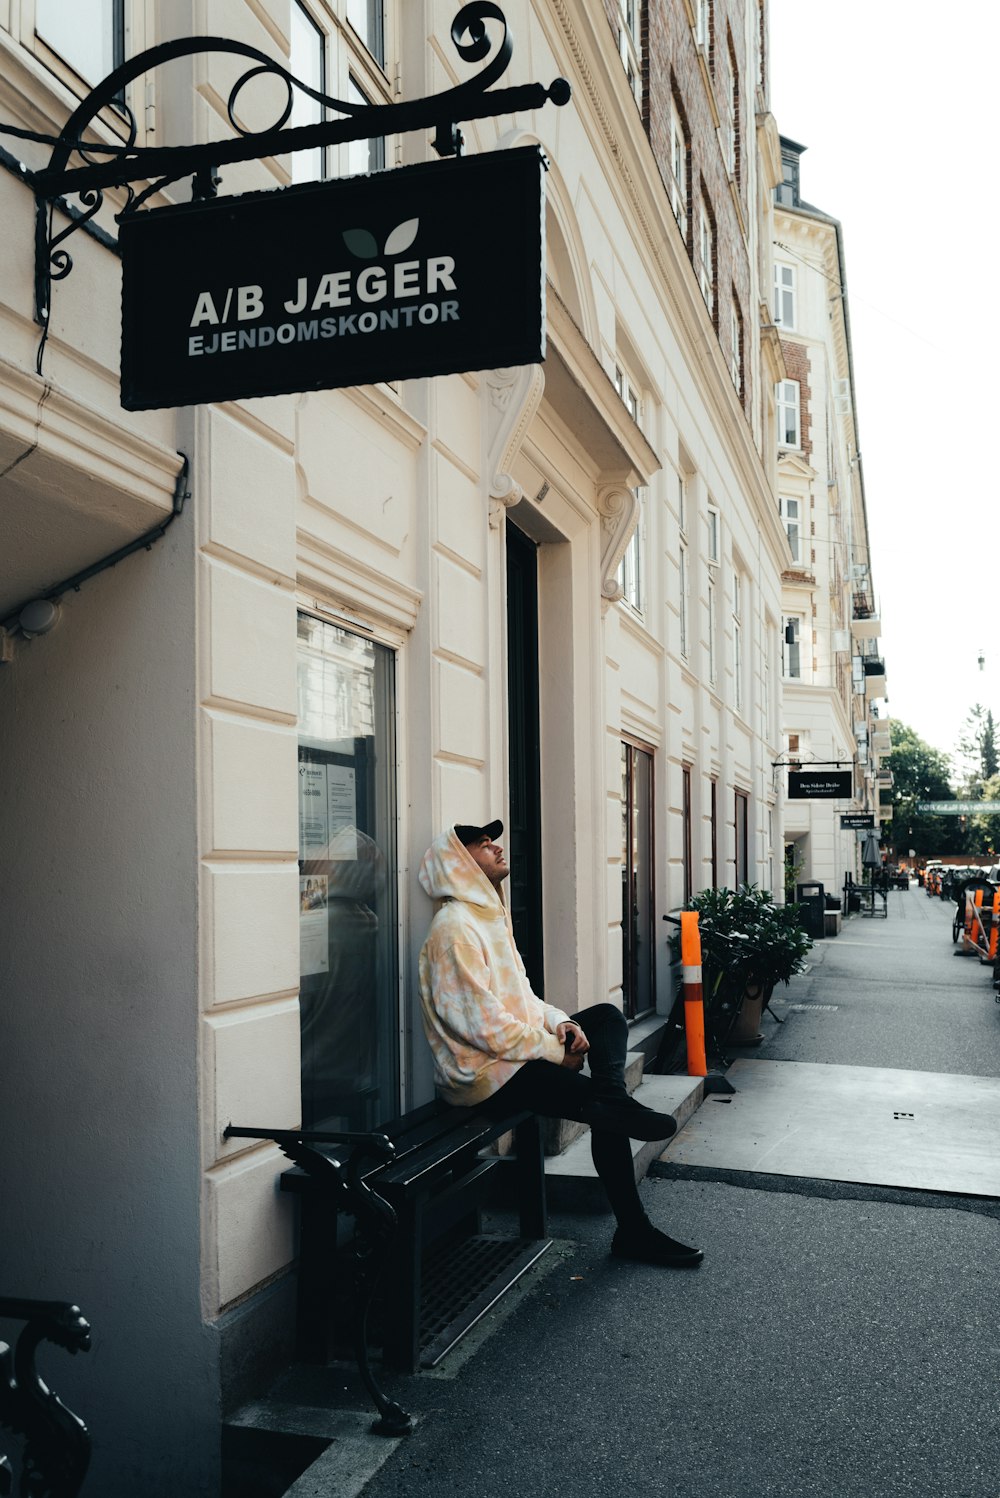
x=902, y=1115
x=462, y=1281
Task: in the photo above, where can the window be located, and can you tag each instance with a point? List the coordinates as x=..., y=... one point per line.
x=682, y=502
x=638, y=894
x=706, y=257
x=713, y=534
x=742, y=818
x=679, y=149
x=368, y=20
x=784, y=296
x=793, y=647
x=349, y=961
x=713, y=665
x=630, y=44
x=738, y=591
x=363, y=156
x=765, y=685
x=733, y=160
x=307, y=63
x=703, y=23
x=787, y=398
x=688, y=861
x=791, y=519
x=714, y=819
x=682, y=564
x=89, y=35
x=630, y=571
x=736, y=344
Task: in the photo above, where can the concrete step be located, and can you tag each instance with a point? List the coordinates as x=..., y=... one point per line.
x=560, y=1133
x=571, y=1180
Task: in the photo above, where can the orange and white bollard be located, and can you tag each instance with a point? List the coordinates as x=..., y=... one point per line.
x=694, y=1000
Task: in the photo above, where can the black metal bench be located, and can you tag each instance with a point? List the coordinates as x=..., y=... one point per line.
x=415, y=1183
x=55, y=1442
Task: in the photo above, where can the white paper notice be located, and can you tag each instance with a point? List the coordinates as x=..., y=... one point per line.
x=342, y=814
x=314, y=823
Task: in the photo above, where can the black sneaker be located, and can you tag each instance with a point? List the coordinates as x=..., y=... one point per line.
x=624, y=1115
x=647, y=1245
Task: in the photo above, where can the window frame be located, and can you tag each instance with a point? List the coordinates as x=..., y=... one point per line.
x=736, y=360
x=306, y=111
x=785, y=403
x=632, y=566
x=713, y=650
x=48, y=52
x=785, y=295
x=714, y=547
x=789, y=522
x=741, y=840
x=686, y=830
x=738, y=661
x=630, y=46
x=680, y=155
x=706, y=256
x=797, y=621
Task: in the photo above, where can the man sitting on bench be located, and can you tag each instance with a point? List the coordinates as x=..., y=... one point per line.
x=497, y=1047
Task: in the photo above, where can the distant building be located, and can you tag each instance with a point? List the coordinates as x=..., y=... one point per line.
x=833, y=675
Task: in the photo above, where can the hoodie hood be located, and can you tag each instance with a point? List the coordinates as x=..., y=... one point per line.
x=449, y=872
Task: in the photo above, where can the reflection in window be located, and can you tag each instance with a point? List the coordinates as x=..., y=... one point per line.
x=363, y=156
x=347, y=879
x=308, y=64
x=368, y=19
x=89, y=34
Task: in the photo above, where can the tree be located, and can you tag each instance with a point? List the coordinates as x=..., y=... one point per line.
x=984, y=832
x=920, y=773
x=976, y=752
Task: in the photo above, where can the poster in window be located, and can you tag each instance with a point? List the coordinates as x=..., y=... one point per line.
x=314, y=950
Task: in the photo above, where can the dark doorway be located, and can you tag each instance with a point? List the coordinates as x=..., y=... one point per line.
x=524, y=832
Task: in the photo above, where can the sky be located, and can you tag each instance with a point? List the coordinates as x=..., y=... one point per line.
x=898, y=111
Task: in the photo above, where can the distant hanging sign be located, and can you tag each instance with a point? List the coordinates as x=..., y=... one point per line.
x=960, y=808
x=352, y=282
x=857, y=819
x=827, y=785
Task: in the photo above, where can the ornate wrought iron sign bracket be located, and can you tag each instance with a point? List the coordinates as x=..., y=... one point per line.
x=155, y=167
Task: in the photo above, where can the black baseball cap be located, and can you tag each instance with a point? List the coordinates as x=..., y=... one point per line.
x=467, y=835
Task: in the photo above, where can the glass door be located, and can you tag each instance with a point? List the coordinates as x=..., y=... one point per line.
x=347, y=879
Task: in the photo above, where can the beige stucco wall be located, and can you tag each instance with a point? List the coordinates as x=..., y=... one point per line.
x=388, y=506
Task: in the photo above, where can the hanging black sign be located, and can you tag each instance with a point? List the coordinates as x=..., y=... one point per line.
x=430, y=269
x=806, y=785
x=857, y=819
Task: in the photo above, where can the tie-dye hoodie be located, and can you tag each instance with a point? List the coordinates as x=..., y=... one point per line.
x=481, y=1018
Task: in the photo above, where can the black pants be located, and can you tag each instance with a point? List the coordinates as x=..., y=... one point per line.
x=556, y=1092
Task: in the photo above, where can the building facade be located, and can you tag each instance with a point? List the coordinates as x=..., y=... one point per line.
x=833, y=674
x=550, y=593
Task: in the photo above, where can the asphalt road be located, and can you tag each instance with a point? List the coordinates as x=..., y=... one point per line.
x=837, y=1342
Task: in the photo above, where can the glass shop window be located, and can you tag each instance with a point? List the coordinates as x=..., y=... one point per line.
x=348, y=919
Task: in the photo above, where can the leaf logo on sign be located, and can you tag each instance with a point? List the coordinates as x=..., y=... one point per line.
x=363, y=244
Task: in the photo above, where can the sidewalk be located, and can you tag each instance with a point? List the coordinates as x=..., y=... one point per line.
x=825, y=1344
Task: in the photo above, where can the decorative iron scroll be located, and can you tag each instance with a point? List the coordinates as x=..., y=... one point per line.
x=56, y=1445
x=121, y=165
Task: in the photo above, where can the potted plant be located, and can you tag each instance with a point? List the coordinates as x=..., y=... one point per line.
x=748, y=944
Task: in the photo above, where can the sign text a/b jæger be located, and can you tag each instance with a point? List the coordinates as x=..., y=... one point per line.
x=387, y=277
